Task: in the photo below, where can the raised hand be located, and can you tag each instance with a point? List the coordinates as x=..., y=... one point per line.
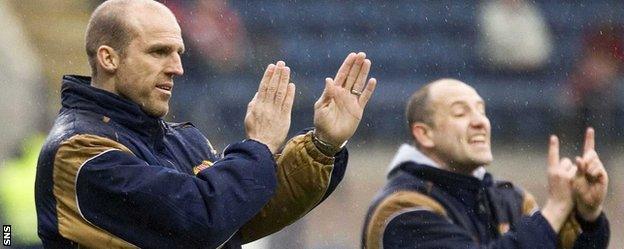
x=561, y=173
x=338, y=111
x=268, y=114
x=591, y=180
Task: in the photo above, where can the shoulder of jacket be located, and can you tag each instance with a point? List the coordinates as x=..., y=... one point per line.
x=392, y=206
x=408, y=200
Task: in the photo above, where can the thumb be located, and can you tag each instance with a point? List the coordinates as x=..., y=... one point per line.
x=328, y=91
x=252, y=102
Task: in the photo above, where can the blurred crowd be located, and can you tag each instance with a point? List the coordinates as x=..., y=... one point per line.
x=543, y=66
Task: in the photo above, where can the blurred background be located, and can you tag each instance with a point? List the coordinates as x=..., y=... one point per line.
x=543, y=67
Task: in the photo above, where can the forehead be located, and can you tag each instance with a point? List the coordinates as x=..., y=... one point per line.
x=446, y=93
x=155, y=24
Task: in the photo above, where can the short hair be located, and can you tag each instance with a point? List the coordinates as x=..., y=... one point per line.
x=108, y=26
x=418, y=109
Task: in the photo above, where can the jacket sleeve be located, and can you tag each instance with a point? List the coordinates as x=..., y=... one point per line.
x=594, y=235
x=109, y=198
x=305, y=178
x=575, y=233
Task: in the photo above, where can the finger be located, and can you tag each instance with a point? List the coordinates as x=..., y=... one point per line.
x=368, y=92
x=354, y=72
x=593, y=170
x=553, y=151
x=290, y=98
x=326, y=96
x=595, y=163
x=282, y=86
x=273, y=83
x=590, y=157
x=264, y=82
x=596, y=174
x=589, y=140
x=566, y=163
x=361, y=80
x=252, y=102
x=580, y=164
x=572, y=172
x=255, y=98
x=591, y=160
x=343, y=71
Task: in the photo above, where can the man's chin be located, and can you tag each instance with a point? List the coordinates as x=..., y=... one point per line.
x=482, y=158
x=483, y=161
x=156, y=112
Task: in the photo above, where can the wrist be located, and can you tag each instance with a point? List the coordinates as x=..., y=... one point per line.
x=587, y=213
x=556, y=213
x=271, y=147
x=326, y=139
x=327, y=148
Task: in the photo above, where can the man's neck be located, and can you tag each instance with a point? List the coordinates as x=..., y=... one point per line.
x=104, y=84
x=450, y=165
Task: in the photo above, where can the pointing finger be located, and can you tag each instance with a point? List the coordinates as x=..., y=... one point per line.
x=553, y=151
x=589, y=140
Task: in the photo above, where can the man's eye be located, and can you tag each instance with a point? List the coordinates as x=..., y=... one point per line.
x=160, y=52
x=459, y=113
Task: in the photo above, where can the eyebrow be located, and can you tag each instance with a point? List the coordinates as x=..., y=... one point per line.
x=458, y=102
x=463, y=102
x=165, y=46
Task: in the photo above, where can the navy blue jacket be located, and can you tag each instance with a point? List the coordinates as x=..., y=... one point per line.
x=110, y=176
x=425, y=207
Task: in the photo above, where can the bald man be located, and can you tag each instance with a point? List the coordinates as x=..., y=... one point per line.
x=113, y=174
x=439, y=195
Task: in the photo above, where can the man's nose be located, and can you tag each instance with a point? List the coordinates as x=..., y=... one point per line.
x=175, y=65
x=478, y=120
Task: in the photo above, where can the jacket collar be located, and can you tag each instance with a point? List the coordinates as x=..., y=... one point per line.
x=409, y=158
x=77, y=93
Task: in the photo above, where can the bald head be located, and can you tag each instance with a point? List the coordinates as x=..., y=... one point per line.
x=114, y=24
x=438, y=87
x=420, y=108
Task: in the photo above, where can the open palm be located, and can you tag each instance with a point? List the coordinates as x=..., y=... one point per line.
x=338, y=111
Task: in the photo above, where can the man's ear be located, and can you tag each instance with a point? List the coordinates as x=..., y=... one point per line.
x=108, y=59
x=423, y=135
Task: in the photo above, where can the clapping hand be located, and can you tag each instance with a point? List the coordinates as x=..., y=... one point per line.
x=338, y=111
x=269, y=112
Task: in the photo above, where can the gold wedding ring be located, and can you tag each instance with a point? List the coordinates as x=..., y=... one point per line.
x=356, y=92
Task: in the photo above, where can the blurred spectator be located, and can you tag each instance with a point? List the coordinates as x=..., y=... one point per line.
x=217, y=49
x=514, y=36
x=590, y=96
x=214, y=30
x=57, y=39
x=20, y=81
